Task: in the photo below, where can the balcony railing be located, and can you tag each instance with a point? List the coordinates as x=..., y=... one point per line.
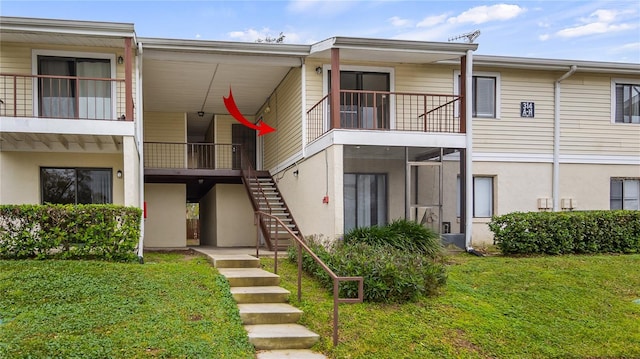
x=192, y=155
x=381, y=110
x=68, y=97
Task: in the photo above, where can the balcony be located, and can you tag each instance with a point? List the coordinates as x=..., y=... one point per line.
x=387, y=111
x=192, y=156
x=63, y=97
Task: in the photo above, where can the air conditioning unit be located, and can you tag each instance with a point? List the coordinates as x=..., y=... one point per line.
x=545, y=203
x=568, y=204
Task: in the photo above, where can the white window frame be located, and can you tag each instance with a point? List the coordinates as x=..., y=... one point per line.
x=614, y=82
x=493, y=195
x=76, y=54
x=496, y=75
x=392, y=87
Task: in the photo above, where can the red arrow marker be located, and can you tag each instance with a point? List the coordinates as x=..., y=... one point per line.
x=231, y=106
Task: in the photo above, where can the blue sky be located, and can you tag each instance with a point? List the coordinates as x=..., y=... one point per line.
x=582, y=30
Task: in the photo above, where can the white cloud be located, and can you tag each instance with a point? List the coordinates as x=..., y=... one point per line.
x=544, y=37
x=198, y=36
x=482, y=14
x=251, y=35
x=399, y=22
x=432, y=20
x=599, y=22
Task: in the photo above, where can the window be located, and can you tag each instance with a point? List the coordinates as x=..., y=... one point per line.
x=64, y=97
x=624, y=193
x=76, y=185
x=627, y=103
x=485, y=90
x=482, y=197
x=365, y=200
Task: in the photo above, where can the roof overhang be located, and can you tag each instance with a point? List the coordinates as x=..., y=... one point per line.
x=394, y=51
x=555, y=65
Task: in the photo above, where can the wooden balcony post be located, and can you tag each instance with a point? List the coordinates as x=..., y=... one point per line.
x=461, y=93
x=334, y=100
x=128, y=79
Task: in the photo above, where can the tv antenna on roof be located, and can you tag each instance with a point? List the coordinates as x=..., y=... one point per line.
x=470, y=36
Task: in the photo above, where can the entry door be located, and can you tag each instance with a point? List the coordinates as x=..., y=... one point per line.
x=245, y=136
x=424, y=181
x=361, y=107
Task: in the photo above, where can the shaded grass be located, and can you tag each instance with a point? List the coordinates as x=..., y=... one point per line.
x=493, y=307
x=172, y=306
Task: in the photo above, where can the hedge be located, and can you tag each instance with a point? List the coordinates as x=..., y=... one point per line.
x=394, y=270
x=106, y=232
x=580, y=232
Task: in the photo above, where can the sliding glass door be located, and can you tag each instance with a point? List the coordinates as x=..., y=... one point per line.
x=365, y=200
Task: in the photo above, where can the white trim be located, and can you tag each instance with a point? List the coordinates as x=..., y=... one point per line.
x=497, y=75
x=548, y=158
x=384, y=138
x=385, y=70
x=614, y=82
x=75, y=54
x=303, y=104
x=67, y=127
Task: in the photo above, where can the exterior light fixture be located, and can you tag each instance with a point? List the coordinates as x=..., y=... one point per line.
x=200, y=113
x=319, y=70
x=296, y=173
x=120, y=60
x=119, y=174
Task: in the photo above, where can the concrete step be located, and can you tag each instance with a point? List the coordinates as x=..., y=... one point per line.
x=289, y=354
x=268, y=313
x=281, y=336
x=262, y=294
x=246, y=277
x=235, y=261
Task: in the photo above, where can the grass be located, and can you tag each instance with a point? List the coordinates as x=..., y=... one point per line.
x=173, y=306
x=492, y=307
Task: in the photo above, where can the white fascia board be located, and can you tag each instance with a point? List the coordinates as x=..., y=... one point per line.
x=601, y=159
x=403, y=45
x=552, y=64
x=225, y=47
x=385, y=138
x=548, y=158
x=67, y=127
x=89, y=28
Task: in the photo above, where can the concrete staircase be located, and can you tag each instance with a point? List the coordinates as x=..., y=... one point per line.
x=270, y=322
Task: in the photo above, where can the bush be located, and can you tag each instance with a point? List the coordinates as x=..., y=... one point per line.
x=567, y=232
x=401, y=234
x=394, y=268
x=69, y=231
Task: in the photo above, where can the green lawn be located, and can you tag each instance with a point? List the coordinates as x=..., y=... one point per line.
x=493, y=307
x=172, y=306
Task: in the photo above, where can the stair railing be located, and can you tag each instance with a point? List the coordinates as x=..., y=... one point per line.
x=300, y=246
x=248, y=174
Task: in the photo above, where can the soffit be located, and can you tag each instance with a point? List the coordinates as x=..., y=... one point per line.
x=47, y=142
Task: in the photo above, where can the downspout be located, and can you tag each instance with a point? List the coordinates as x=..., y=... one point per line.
x=468, y=73
x=139, y=143
x=556, y=139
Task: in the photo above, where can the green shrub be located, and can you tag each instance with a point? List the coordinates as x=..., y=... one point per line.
x=390, y=274
x=401, y=234
x=567, y=232
x=69, y=231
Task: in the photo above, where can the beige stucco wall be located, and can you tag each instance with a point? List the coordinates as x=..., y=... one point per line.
x=166, y=223
x=20, y=172
x=226, y=217
x=304, y=193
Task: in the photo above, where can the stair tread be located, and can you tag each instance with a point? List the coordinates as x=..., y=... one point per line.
x=267, y=308
x=259, y=290
x=279, y=331
x=289, y=354
x=246, y=272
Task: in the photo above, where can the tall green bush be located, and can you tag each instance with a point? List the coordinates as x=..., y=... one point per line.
x=107, y=232
x=398, y=262
x=567, y=232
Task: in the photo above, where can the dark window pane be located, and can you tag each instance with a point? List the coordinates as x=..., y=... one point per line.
x=58, y=185
x=94, y=186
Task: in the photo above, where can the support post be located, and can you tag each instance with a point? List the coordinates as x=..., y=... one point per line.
x=128, y=79
x=463, y=97
x=335, y=88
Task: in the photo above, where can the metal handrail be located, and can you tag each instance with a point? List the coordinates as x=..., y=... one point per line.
x=336, y=279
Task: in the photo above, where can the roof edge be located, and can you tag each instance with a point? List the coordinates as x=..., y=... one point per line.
x=554, y=64
x=95, y=28
x=211, y=46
